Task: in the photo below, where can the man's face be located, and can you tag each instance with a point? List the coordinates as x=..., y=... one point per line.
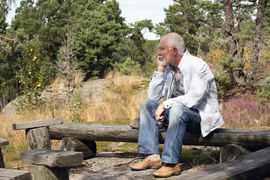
x=164, y=54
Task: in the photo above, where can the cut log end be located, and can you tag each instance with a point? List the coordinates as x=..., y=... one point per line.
x=231, y=152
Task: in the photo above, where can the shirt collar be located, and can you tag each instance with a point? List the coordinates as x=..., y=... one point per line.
x=185, y=55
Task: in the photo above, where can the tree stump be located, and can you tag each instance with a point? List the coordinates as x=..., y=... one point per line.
x=231, y=152
x=88, y=148
x=38, y=138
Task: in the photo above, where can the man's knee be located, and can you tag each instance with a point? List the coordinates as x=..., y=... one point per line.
x=177, y=113
x=148, y=103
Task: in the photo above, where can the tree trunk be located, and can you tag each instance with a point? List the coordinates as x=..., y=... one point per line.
x=229, y=26
x=258, y=29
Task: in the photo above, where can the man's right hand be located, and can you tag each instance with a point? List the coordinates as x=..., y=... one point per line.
x=161, y=64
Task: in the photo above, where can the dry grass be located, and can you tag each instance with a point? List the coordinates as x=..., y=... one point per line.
x=121, y=105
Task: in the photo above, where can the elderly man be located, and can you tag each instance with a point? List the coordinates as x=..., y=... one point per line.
x=188, y=86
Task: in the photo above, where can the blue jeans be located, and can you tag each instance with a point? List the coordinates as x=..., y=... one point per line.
x=179, y=117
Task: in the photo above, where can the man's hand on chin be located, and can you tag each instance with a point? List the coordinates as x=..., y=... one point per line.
x=159, y=114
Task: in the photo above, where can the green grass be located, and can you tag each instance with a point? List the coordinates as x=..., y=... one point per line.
x=190, y=154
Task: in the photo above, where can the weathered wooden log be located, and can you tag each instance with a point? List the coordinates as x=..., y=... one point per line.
x=2, y=164
x=88, y=148
x=39, y=172
x=38, y=138
x=9, y=174
x=49, y=164
x=3, y=142
x=35, y=124
x=231, y=152
x=52, y=158
x=123, y=133
x=251, y=166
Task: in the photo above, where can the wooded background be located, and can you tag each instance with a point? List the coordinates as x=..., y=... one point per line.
x=48, y=37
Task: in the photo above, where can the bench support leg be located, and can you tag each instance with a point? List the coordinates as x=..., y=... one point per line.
x=2, y=164
x=38, y=138
x=88, y=148
x=231, y=152
x=45, y=173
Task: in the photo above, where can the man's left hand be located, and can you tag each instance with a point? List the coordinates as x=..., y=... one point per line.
x=159, y=114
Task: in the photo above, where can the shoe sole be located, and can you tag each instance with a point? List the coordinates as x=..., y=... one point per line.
x=150, y=167
x=174, y=174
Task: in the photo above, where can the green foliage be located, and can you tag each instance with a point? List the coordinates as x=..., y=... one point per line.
x=265, y=93
x=227, y=62
x=76, y=107
x=34, y=74
x=98, y=29
x=223, y=84
x=3, y=12
x=127, y=67
x=136, y=48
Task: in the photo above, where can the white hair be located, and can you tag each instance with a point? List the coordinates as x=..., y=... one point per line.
x=176, y=41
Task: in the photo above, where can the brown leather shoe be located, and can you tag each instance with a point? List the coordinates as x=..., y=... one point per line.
x=168, y=170
x=147, y=163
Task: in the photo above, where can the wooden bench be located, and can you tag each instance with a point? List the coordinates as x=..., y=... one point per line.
x=49, y=164
x=3, y=142
x=39, y=134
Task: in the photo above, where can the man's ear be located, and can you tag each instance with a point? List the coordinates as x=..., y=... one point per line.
x=175, y=51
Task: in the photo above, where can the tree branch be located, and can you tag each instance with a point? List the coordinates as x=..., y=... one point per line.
x=15, y=39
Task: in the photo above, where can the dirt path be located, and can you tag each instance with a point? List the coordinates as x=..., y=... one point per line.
x=114, y=165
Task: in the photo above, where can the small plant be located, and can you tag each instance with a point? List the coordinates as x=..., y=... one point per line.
x=127, y=67
x=265, y=93
x=245, y=112
x=76, y=107
x=34, y=74
x=66, y=62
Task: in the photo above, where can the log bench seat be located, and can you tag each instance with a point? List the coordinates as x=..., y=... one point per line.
x=13, y=174
x=251, y=166
x=51, y=164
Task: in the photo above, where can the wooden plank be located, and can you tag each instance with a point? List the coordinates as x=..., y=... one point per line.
x=38, y=123
x=52, y=158
x=251, y=166
x=14, y=174
x=123, y=133
x=3, y=142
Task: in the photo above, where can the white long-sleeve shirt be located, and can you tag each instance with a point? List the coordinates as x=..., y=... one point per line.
x=199, y=86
